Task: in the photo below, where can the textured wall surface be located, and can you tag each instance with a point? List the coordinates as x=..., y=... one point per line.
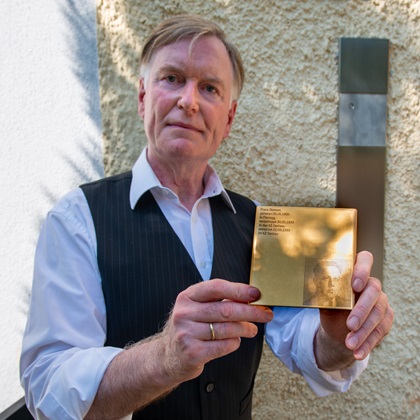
x=50, y=142
x=282, y=150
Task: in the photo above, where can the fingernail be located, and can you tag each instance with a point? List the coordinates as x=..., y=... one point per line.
x=359, y=354
x=352, y=342
x=357, y=285
x=268, y=313
x=353, y=323
x=253, y=293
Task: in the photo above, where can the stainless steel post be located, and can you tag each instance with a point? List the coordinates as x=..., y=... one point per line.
x=361, y=160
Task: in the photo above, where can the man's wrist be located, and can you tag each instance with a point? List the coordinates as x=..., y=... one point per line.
x=330, y=354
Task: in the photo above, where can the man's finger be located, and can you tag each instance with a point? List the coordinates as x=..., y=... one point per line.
x=224, y=330
x=361, y=272
x=362, y=350
x=217, y=289
x=221, y=311
x=364, y=305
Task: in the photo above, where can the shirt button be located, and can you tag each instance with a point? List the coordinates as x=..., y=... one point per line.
x=203, y=264
x=210, y=387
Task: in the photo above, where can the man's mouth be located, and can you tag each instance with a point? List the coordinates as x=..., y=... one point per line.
x=179, y=124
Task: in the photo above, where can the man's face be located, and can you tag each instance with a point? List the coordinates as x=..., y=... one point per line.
x=327, y=280
x=186, y=101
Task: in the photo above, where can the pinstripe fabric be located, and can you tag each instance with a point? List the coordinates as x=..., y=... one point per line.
x=144, y=266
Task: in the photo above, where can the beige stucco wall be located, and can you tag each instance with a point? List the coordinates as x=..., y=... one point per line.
x=282, y=150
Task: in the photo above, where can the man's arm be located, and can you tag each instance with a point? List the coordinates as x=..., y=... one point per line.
x=315, y=346
x=152, y=368
x=62, y=348
x=344, y=337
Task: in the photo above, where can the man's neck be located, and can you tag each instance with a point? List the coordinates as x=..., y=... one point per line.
x=186, y=181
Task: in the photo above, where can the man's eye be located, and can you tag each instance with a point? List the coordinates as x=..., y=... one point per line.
x=210, y=89
x=171, y=79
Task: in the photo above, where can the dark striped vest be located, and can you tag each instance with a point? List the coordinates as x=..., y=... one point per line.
x=144, y=266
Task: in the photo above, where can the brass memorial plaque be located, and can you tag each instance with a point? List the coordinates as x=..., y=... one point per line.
x=304, y=256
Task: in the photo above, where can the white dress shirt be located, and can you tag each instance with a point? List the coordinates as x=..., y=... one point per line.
x=63, y=356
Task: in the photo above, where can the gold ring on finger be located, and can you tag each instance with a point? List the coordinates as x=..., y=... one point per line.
x=213, y=335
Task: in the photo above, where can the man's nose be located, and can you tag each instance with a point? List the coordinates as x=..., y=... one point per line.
x=188, y=99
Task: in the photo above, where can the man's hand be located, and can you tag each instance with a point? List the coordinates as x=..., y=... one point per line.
x=188, y=335
x=344, y=337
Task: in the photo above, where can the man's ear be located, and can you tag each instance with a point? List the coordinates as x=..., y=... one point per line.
x=231, y=117
x=142, y=93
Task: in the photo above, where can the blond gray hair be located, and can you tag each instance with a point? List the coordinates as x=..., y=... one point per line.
x=189, y=26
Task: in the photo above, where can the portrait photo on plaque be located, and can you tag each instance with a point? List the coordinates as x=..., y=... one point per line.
x=327, y=283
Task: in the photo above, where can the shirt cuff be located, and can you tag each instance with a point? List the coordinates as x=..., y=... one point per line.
x=83, y=372
x=322, y=383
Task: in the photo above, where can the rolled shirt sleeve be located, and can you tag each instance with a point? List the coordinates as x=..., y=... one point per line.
x=290, y=336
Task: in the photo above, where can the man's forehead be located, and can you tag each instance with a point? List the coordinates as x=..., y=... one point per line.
x=186, y=48
x=211, y=63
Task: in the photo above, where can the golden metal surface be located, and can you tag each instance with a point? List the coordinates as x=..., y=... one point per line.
x=304, y=256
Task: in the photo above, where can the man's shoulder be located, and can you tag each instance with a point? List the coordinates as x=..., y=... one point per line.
x=240, y=199
x=242, y=205
x=235, y=195
x=110, y=189
x=123, y=177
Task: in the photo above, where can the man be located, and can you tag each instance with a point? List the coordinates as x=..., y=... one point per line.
x=120, y=264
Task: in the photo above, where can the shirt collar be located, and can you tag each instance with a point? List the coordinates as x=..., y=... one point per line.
x=144, y=179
